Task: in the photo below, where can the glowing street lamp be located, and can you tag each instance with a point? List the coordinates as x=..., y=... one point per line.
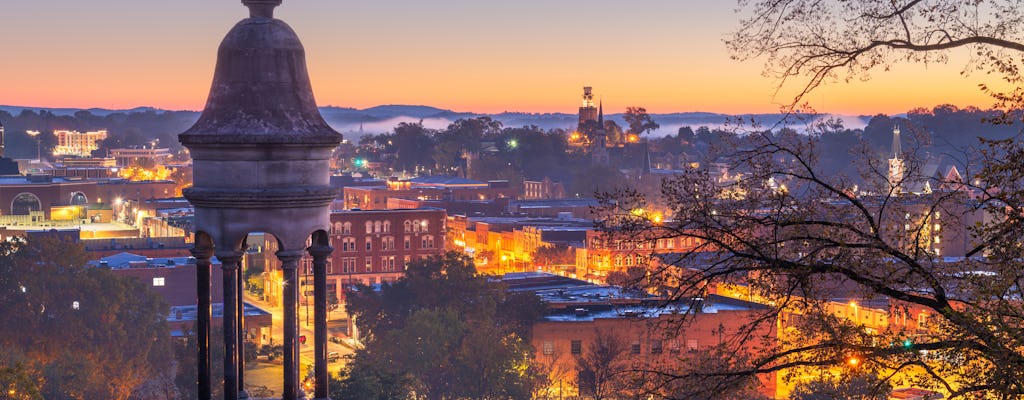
x=39, y=143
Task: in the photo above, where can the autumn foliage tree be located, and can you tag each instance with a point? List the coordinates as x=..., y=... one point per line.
x=77, y=332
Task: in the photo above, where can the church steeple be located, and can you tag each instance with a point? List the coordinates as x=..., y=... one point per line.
x=897, y=169
x=600, y=114
x=897, y=149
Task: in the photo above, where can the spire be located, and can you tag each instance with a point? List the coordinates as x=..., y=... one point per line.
x=897, y=150
x=600, y=114
x=261, y=8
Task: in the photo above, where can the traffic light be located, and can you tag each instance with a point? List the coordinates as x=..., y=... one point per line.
x=302, y=339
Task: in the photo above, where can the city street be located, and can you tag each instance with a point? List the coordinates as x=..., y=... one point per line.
x=269, y=374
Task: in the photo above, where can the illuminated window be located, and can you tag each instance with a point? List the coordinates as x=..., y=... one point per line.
x=158, y=281
x=369, y=264
x=548, y=348
x=347, y=228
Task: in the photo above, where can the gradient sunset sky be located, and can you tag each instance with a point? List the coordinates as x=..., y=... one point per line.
x=464, y=55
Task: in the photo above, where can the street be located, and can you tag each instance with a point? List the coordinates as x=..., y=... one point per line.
x=269, y=374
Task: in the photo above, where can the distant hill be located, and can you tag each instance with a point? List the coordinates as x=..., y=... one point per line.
x=383, y=118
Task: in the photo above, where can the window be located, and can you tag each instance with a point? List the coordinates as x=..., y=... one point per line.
x=405, y=262
x=635, y=348
x=369, y=227
x=424, y=227
x=369, y=244
x=388, y=243
x=158, y=281
x=655, y=347
x=336, y=228
x=376, y=226
x=548, y=348
x=691, y=345
x=387, y=226
x=576, y=346
x=384, y=264
x=408, y=243
x=408, y=226
x=673, y=346
x=348, y=244
x=427, y=242
x=416, y=225
x=346, y=228
x=369, y=264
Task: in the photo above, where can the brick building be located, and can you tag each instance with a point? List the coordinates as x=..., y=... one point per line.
x=642, y=331
x=370, y=247
x=374, y=246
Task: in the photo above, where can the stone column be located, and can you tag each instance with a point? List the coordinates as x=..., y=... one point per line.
x=243, y=334
x=229, y=261
x=320, y=254
x=290, y=294
x=203, y=319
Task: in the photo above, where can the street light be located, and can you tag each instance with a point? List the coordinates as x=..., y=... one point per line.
x=39, y=143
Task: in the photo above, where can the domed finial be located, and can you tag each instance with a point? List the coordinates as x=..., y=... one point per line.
x=261, y=8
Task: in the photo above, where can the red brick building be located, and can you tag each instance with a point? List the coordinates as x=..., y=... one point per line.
x=374, y=246
x=370, y=246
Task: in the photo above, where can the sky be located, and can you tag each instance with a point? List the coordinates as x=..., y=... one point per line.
x=463, y=55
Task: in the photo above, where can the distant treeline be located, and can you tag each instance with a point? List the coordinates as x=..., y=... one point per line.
x=123, y=129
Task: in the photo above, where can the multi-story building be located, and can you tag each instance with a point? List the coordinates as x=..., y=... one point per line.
x=75, y=143
x=370, y=247
x=426, y=188
x=375, y=246
x=635, y=331
x=128, y=156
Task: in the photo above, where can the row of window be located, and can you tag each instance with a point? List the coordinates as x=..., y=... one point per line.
x=345, y=228
x=387, y=264
x=387, y=243
x=654, y=346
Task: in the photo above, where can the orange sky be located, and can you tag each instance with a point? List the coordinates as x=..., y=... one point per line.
x=465, y=55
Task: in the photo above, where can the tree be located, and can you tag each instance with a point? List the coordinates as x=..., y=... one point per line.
x=443, y=332
x=555, y=255
x=853, y=387
x=814, y=41
x=84, y=332
x=603, y=366
x=639, y=121
x=950, y=324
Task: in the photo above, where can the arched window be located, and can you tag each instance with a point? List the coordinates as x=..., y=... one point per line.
x=25, y=203
x=337, y=228
x=424, y=225
x=387, y=226
x=369, y=227
x=408, y=226
x=415, y=225
x=376, y=226
x=346, y=228
x=79, y=199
